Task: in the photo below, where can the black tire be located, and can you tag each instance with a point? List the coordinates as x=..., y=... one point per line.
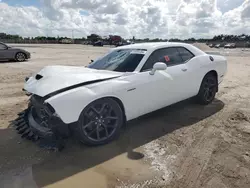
x=208, y=89
x=20, y=57
x=100, y=122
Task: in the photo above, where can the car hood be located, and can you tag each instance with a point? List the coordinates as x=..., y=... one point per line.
x=54, y=78
x=18, y=49
x=10, y=47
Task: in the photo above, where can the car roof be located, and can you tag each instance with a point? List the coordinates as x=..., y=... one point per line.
x=149, y=46
x=152, y=45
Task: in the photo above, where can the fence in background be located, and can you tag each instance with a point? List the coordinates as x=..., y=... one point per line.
x=240, y=44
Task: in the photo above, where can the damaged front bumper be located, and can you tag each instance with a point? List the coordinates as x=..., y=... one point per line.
x=40, y=121
x=44, y=120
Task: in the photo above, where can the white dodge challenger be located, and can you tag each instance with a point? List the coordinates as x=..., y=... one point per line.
x=94, y=102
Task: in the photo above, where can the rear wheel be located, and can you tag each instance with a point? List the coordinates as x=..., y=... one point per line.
x=100, y=122
x=208, y=89
x=20, y=57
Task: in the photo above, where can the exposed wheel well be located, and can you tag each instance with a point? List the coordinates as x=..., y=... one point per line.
x=121, y=105
x=214, y=73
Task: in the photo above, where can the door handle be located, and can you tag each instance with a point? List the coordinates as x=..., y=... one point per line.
x=184, y=69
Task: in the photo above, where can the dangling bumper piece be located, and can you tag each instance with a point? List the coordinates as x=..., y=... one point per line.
x=40, y=122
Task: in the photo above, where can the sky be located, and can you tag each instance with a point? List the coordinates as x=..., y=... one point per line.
x=140, y=18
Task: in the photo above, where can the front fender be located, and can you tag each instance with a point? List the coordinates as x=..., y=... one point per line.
x=69, y=105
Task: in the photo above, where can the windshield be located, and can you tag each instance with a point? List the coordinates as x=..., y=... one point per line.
x=124, y=60
x=3, y=46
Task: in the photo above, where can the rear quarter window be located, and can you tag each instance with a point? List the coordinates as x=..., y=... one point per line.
x=185, y=54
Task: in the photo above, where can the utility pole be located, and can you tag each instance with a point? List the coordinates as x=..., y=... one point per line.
x=73, y=34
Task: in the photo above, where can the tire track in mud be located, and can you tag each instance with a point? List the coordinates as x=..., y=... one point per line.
x=193, y=159
x=196, y=160
x=199, y=166
x=229, y=165
x=12, y=101
x=12, y=98
x=12, y=74
x=11, y=92
x=180, y=156
x=9, y=109
x=202, y=151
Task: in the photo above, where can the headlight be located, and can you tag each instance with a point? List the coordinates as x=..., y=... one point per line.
x=51, y=110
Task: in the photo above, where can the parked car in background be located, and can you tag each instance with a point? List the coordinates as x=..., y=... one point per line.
x=87, y=43
x=233, y=45
x=98, y=43
x=218, y=45
x=230, y=45
x=123, y=43
x=9, y=53
x=66, y=41
x=211, y=45
x=94, y=102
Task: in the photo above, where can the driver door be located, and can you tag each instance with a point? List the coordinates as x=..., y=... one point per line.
x=3, y=51
x=152, y=92
x=144, y=93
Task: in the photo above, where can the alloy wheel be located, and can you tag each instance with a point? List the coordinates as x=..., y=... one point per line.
x=20, y=57
x=100, y=122
x=209, y=89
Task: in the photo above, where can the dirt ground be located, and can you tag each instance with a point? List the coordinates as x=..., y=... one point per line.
x=184, y=145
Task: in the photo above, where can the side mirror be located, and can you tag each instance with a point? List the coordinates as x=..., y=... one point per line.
x=158, y=66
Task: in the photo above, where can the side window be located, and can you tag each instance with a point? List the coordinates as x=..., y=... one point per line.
x=170, y=56
x=185, y=54
x=130, y=63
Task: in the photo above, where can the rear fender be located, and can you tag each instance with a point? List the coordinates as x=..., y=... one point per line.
x=220, y=66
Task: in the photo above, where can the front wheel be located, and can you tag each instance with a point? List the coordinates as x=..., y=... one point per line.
x=20, y=57
x=208, y=89
x=100, y=122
